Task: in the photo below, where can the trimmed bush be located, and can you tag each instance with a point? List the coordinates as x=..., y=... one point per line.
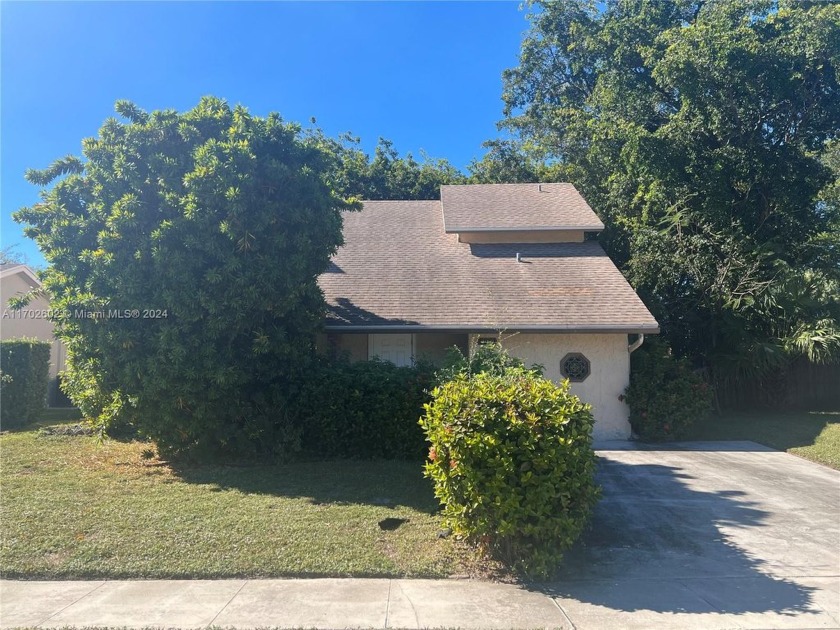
x=24, y=380
x=665, y=395
x=512, y=463
x=363, y=410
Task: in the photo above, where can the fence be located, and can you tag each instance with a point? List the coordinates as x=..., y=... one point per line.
x=802, y=385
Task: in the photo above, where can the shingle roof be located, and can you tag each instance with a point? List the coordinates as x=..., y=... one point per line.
x=399, y=269
x=502, y=207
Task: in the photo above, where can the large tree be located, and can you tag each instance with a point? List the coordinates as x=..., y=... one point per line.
x=700, y=131
x=183, y=256
x=386, y=174
x=506, y=162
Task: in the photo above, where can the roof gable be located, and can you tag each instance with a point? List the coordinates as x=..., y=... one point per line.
x=12, y=269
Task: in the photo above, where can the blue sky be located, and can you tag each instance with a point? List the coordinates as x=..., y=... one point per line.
x=426, y=75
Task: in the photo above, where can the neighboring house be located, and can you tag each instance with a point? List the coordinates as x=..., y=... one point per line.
x=417, y=277
x=17, y=280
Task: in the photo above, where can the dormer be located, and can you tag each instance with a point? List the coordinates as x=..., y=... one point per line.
x=517, y=213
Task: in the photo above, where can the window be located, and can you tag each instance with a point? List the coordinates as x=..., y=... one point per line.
x=575, y=367
x=393, y=347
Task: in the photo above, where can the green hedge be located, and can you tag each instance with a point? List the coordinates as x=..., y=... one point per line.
x=25, y=371
x=512, y=462
x=363, y=410
x=666, y=396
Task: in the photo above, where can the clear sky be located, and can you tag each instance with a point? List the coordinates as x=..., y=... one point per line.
x=426, y=75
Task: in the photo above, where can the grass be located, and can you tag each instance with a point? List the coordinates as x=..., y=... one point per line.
x=812, y=435
x=55, y=415
x=73, y=507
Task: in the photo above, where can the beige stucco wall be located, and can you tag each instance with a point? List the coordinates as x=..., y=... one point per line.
x=523, y=236
x=607, y=353
x=610, y=372
x=31, y=321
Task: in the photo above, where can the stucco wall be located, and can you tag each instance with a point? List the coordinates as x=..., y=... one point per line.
x=38, y=327
x=608, y=358
x=610, y=372
x=547, y=236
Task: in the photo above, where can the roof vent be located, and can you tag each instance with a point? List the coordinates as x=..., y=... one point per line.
x=518, y=257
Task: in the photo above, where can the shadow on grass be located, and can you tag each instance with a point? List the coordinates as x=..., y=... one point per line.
x=653, y=535
x=48, y=417
x=385, y=483
x=339, y=482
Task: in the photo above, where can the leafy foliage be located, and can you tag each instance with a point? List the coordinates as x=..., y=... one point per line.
x=506, y=162
x=24, y=379
x=386, y=175
x=665, y=395
x=209, y=228
x=512, y=463
x=363, y=410
x=482, y=357
x=705, y=133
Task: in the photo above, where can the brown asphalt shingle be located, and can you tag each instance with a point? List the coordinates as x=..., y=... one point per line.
x=482, y=207
x=399, y=268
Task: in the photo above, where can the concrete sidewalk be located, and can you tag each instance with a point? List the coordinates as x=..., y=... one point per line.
x=383, y=603
x=295, y=603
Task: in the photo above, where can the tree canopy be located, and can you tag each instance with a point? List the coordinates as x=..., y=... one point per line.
x=385, y=175
x=705, y=134
x=184, y=251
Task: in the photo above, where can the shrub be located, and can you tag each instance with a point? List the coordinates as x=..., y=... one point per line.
x=665, y=395
x=483, y=357
x=24, y=378
x=363, y=410
x=512, y=463
x=196, y=240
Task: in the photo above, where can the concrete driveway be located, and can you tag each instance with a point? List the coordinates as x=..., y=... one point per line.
x=696, y=535
x=707, y=535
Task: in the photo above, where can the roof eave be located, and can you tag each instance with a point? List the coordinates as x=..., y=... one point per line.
x=24, y=269
x=647, y=329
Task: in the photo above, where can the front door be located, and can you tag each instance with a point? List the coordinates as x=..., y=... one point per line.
x=396, y=348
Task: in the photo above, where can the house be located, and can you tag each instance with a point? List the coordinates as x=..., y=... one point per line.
x=512, y=260
x=16, y=280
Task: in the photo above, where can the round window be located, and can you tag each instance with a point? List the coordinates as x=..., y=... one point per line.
x=575, y=367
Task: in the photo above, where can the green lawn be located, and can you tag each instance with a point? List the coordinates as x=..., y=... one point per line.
x=812, y=435
x=76, y=508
